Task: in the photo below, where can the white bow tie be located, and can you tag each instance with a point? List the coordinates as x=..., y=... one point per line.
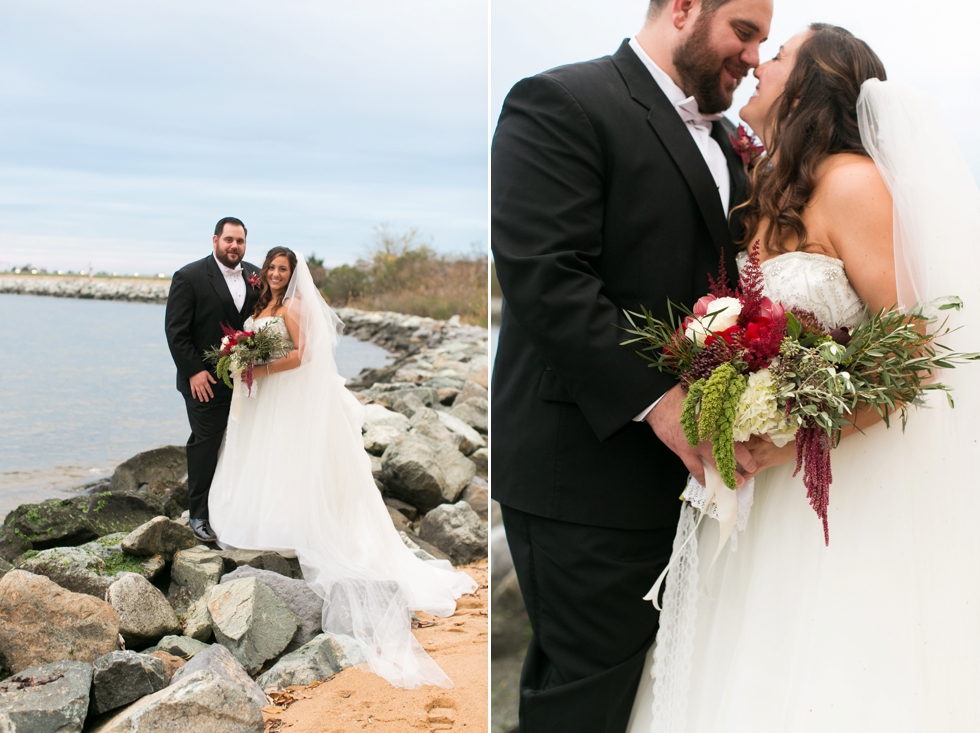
x=689, y=112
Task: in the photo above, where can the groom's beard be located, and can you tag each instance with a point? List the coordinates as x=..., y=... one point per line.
x=701, y=69
x=224, y=260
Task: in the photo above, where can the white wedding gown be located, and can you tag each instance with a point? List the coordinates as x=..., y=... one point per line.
x=293, y=477
x=880, y=630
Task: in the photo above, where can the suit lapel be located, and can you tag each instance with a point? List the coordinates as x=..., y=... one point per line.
x=739, y=189
x=673, y=133
x=223, y=293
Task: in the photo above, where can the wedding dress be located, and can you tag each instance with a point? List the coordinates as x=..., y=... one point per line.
x=293, y=477
x=880, y=630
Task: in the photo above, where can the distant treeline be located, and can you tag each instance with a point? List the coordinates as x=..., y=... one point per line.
x=400, y=273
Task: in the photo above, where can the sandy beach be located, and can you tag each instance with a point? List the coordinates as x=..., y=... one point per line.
x=355, y=700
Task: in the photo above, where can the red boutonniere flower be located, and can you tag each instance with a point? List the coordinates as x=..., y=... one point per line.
x=747, y=147
x=253, y=280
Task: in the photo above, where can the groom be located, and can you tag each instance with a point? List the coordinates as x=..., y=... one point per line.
x=219, y=289
x=612, y=181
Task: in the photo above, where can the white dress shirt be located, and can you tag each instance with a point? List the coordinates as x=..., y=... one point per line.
x=236, y=282
x=699, y=125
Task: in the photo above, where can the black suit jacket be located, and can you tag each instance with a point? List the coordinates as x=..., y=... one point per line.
x=601, y=201
x=198, y=303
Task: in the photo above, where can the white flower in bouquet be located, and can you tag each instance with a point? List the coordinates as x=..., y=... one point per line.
x=758, y=412
x=722, y=314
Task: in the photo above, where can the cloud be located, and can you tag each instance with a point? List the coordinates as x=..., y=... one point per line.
x=144, y=124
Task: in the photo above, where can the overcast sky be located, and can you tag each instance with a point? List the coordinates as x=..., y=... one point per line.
x=128, y=129
x=930, y=46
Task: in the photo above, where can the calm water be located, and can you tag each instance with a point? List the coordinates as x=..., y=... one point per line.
x=86, y=384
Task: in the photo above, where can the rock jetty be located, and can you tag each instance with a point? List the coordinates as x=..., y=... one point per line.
x=113, y=617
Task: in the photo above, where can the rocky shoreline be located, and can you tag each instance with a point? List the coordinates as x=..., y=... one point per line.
x=114, y=618
x=101, y=288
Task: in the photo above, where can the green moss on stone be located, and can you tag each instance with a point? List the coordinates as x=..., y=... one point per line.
x=121, y=564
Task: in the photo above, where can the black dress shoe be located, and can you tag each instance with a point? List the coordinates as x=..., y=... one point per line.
x=202, y=530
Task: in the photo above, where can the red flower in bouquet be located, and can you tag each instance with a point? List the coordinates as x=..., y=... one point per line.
x=746, y=146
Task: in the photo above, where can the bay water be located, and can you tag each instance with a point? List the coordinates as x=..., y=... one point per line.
x=86, y=384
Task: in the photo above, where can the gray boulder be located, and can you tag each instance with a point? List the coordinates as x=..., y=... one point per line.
x=381, y=416
x=297, y=596
x=197, y=621
x=473, y=412
x=399, y=520
x=179, y=646
x=120, y=678
x=41, y=622
x=261, y=559
x=143, y=611
x=391, y=398
x=378, y=437
x=71, y=522
x=481, y=459
x=471, y=389
x=195, y=572
x=218, y=660
x=424, y=472
x=477, y=495
x=4, y=567
x=403, y=507
x=409, y=403
x=470, y=440
x=169, y=462
x=426, y=422
x=251, y=621
x=210, y=693
x=91, y=568
x=319, y=659
x=159, y=536
x=173, y=494
x=456, y=530
x=50, y=698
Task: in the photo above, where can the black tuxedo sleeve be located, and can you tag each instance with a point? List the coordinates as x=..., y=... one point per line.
x=179, y=322
x=548, y=170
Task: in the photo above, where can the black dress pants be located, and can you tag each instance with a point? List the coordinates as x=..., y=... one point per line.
x=583, y=587
x=208, y=422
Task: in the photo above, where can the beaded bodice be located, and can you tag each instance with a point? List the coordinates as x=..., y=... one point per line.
x=277, y=323
x=813, y=282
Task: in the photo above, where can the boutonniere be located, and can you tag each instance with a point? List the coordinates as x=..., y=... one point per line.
x=253, y=280
x=747, y=147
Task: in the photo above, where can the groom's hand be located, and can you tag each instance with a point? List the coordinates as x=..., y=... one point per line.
x=201, y=386
x=665, y=419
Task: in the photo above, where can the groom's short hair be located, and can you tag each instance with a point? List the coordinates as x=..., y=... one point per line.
x=707, y=6
x=220, y=226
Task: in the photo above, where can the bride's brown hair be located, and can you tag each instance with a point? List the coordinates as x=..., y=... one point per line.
x=265, y=294
x=815, y=117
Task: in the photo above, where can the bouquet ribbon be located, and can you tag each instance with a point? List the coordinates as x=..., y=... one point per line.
x=239, y=392
x=725, y=501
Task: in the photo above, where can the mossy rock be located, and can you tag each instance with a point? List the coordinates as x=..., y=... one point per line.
x=167, y=463
x=90, y=569
x=72, y=522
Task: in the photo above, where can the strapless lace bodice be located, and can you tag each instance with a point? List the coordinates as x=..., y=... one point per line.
x=814, y=282
x=275, y=322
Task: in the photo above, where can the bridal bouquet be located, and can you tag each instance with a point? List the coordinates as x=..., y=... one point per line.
x=754, y=367
x=240, y=351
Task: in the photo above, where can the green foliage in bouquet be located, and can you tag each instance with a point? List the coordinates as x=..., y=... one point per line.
x=709, y=413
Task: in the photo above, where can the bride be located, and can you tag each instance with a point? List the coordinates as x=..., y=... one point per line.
x=293, y=477
x=864, y=201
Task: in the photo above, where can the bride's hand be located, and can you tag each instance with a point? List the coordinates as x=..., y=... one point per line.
x=767, y=455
